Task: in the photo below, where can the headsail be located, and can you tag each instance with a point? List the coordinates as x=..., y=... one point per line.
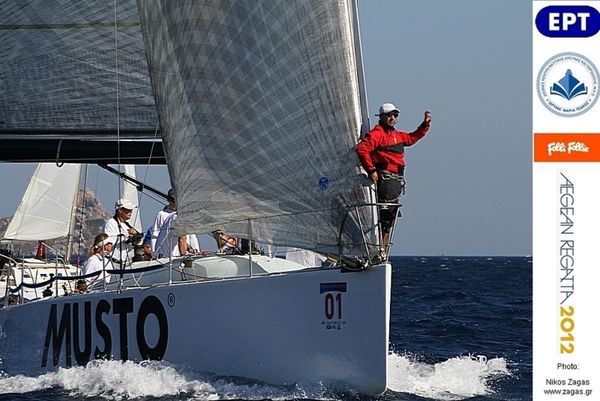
x=46, y=211
x=259, y=106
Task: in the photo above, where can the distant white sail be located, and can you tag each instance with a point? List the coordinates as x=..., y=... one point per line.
x=260, y=111
x=130, y=193
x=47, y=207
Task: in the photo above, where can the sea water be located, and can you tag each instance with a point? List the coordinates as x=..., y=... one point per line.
x=461, y=328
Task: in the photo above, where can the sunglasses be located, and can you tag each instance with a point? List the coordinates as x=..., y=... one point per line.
x=127, y=211
x=395, y=115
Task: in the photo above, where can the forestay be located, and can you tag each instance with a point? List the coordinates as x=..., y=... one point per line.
x=259, y=106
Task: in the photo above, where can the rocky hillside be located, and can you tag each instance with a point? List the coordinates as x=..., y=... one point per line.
x=89, y=221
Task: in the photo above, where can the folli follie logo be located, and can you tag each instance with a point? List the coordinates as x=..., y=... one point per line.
x=566, y=147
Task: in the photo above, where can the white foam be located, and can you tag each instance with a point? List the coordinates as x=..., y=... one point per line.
x=117, y=380
x=455, y=379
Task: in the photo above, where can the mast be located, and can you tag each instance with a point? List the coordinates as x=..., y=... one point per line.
x=360, y=70
x=72, y=219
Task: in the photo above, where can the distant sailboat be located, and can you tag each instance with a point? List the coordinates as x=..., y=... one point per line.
x=45, y=213
x=47, y=208
x=260, y=107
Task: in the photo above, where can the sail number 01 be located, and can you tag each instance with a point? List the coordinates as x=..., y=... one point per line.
x=567, y=324
x=333, y=304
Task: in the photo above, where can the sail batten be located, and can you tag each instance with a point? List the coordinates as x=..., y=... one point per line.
x=260, y=111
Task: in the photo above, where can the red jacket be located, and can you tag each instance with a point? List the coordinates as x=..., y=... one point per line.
x=384, y=150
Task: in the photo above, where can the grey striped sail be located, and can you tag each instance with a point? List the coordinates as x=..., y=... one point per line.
x=260, y=110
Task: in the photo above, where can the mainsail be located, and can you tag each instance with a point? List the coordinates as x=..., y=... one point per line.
x=260, y=111
x=46, y=210
x=74, y=81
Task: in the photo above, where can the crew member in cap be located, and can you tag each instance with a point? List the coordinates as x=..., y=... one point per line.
x=98, y=260
x=118, y=226
x=381, y=153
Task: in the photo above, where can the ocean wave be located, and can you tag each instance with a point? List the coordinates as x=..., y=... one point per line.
x=457, y=378
x=454, y=379
x=116, y=380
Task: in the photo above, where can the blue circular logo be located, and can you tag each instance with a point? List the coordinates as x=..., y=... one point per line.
x=567, y=84
x=324, y=183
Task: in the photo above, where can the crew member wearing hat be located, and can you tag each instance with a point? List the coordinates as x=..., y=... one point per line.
x=381, y=153
x=117, y=226
x=98, y=260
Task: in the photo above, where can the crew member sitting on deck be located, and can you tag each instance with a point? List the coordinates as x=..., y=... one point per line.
x=225, y=243
x=98, y=259
x=147, y=244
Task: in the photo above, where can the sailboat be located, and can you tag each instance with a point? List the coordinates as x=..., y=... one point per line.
x=259, y=107
x=45, y=213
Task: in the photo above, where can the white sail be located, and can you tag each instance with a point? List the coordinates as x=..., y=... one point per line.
x=260, y=112
x=47, y=207
x=130, y=192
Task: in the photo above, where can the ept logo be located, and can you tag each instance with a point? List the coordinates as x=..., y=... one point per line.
x=568, y=21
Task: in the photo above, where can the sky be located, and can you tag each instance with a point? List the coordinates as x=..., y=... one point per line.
x=469, y=179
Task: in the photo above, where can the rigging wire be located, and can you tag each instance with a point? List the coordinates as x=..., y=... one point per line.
x=148, y=163
x=117, y=92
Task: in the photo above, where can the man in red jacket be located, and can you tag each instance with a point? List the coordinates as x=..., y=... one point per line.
x=381, y=153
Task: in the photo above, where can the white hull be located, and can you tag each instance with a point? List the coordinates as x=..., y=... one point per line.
x=317, y=325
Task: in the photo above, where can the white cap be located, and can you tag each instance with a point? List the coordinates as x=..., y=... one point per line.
x=124, y=203
x=107, y=240
x=387, y=108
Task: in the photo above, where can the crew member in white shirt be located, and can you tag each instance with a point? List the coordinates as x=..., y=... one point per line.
x=168, y=244
x=164, y=244
x=161, y=217
x=118, y=227
x=98, y=259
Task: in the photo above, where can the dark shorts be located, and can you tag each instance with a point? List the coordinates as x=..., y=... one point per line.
x=389, y=189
